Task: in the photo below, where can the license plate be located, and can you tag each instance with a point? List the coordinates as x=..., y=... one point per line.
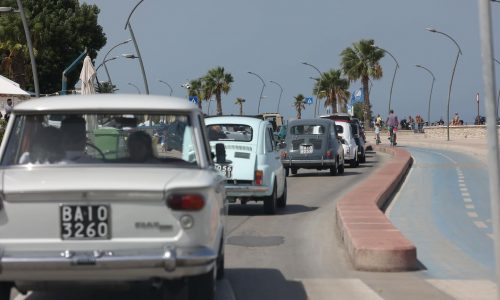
x=306, y=149
x=84, y=222
x=227, y=170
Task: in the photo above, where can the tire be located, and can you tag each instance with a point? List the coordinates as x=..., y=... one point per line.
x=355, y=162
x=270, y=202
x=282, y=200
x=341, y=168
x=220, y=262
x=201, y=287
x=294, y=171
x=5, y=288
x=333, y=170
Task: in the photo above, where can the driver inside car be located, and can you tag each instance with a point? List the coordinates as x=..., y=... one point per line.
x=74, y=140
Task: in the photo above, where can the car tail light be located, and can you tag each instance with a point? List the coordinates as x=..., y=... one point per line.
x=258, y=177
x=329, y=154
x=189, y=202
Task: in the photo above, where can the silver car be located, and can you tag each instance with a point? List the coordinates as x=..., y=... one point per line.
x=313, y=144
x=98, y=196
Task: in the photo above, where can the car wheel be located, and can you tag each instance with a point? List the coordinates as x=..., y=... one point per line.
x=294, y=171
x=270, y=202
x=362, y=159
x=282, y=199
x=355, y=162
x=5, y=288
x=333, y=170
x=201, y=287
x=220, y=262
x=341, y=168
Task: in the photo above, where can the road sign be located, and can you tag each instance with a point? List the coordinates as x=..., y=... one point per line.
x=309, y=100
x=193, y=99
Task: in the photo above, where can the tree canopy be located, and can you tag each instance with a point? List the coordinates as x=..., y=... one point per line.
x=60, y=31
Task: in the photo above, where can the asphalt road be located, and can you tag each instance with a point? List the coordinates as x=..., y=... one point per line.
x=297, y=253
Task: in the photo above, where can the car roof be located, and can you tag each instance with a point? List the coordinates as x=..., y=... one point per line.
x=325, y=122
x=106, y=103
x=338, y=116
x=251, y=121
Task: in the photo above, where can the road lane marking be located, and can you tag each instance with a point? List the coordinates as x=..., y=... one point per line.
x=480, y=224
x=469, y=206
x=466, y=289
x=491, y=236
x=462, y=185
x=472, y=214
x=344, y=288
x=466, y=195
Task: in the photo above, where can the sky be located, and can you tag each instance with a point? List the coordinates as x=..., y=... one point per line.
x=181, y=40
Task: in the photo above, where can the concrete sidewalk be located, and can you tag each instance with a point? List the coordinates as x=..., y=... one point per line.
x=473, y=146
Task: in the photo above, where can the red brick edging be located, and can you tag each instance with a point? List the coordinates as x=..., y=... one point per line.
x=372, y=242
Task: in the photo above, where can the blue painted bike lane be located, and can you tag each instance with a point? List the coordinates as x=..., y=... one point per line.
x=443, y=207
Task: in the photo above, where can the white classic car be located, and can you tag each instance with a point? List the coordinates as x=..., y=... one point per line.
x=252, y=163
x=351, y=153
x=97, y=198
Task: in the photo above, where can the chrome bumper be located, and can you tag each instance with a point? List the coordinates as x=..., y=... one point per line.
x=307, y=162
x=246, y=190
x=167, y=259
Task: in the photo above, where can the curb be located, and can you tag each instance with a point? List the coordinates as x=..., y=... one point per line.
x=372, y=242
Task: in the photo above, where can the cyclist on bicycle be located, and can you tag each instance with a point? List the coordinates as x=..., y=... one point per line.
x=392, y=123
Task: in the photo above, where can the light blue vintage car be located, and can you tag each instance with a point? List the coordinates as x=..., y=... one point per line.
x=252, y=163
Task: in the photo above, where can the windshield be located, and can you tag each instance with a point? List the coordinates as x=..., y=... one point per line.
x=230, y=132
x=58, y=139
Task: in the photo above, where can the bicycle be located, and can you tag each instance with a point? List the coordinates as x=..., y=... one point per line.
x=392, y=135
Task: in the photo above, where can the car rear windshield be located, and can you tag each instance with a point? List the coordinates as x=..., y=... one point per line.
x=230, y=132
x=62, y=139
x=307, y=129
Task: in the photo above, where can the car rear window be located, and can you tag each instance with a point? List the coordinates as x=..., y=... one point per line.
x=63, y=139
x=230, y=132
x=307, y=129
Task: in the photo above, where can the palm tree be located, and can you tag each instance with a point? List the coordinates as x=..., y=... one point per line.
x=361, y=61
x=218, y=82
x=332, y=86
x=239, y=101
x=299, y=105
x=196, y=89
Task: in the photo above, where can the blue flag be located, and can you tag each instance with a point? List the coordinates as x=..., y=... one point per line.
x=357, y=96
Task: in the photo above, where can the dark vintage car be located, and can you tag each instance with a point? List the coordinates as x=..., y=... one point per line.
x=357, y=129
x=313, y=144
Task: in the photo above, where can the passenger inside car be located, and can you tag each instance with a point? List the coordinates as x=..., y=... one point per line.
x=45, y=147
x=140, y=147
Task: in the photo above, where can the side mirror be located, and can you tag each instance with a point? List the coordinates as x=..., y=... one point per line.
x=220, y=153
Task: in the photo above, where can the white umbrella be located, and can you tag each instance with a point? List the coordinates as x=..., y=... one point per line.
x=87, y=76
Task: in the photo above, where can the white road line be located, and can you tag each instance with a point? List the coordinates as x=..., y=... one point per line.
x=466, y=289
x=491, y=236
x=467, y=199
x=345, y=288
x=461, y=184
x=463, y=189
x=466, y=195
x=461, y=180
x=472, y=214
x=480, y=224
x=469, y=206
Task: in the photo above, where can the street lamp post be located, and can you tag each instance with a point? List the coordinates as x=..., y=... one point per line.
x=430, y=96
x=171, y=90
x=261, y=91
x=127, y=24
x=452, y=75
x=138, y=90
x=281, y=92
x=316, y=103
x=498, y=98
x=105, y=60
x=393, y=76
x=28, y=42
